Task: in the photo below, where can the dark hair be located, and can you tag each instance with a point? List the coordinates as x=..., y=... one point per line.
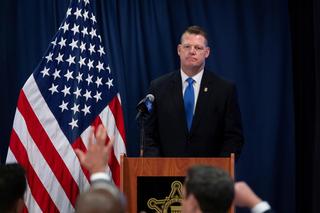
x=197, y=31
x=212, y=187
x=12, y=186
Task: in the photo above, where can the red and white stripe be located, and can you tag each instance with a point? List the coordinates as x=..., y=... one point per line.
x=54, y=174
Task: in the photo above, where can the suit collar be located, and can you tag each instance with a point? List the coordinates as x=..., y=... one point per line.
x=176, y=89
x=196, y=77
x=206, y=90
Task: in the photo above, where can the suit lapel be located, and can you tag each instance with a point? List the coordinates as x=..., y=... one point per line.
x=205, y=92
x=176, y=88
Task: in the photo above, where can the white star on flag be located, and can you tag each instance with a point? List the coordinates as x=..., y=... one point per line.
x=109, y=83
x=90, y=64
x=62, y=42
x=75, y=29
x=84, y=31
x=101, y=50
x=86, y=109
x=100, y=66
x=93, y=33
x=53, y=88
x=73, y=123
x=66, y=91
x=65, y=27
x=63, y=106
x=73, y=44
x=77, y=13
x=59, y=58
x=56, y=74
x=49, y=57
x=68, y=75
x=45, y=72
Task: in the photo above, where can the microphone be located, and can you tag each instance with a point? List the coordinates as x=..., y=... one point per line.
x=145, y=105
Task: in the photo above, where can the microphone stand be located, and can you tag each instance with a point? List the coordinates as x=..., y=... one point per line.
x=141, y=136
x=141, y=117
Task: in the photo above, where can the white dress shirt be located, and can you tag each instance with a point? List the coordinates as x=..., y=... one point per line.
x=261, y=207
x=196, y=85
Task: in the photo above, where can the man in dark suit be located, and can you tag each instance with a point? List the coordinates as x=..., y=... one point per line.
x=195, y=113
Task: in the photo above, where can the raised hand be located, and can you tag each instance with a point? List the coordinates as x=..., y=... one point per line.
x=97, y=155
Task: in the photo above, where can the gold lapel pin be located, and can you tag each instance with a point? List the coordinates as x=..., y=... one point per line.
x=205, y=89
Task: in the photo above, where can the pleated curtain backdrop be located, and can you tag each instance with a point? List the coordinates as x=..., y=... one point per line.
x=250, y=45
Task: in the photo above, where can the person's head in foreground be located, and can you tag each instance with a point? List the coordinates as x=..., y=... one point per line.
x=99, y=200
x=207, y=189
x=12, y=188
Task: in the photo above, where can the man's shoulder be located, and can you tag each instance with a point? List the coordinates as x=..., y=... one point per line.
x=216, y=79
x=175, y=76
x=166, y=78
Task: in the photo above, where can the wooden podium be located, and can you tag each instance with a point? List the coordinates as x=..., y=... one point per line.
x=132, y=168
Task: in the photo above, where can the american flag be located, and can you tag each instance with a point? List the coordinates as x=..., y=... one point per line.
x=72, y=89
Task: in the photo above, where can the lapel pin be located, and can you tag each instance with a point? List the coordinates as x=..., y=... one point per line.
x=205, y=89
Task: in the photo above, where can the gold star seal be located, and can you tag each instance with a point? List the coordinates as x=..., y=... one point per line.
x=171, y=203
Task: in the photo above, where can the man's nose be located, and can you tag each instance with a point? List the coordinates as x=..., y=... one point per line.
x=193, y=50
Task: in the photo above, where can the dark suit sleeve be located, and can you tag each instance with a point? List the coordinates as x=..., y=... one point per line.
x=233, y=136
x=151, y=135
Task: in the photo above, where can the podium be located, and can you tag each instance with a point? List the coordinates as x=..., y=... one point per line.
x=134, y=169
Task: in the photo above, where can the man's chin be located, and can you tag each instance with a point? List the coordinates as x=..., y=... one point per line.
x=192, y=61
x=193, y=66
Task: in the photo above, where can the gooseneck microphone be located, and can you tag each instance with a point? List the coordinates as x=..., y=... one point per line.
x=144, y=108
x=145, y=105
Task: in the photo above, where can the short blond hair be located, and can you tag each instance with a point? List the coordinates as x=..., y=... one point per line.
x=197, y=30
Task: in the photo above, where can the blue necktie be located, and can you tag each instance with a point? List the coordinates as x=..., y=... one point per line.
x=189, y=101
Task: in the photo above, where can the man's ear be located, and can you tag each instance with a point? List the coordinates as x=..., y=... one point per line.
x=179, y=49
x=193, y=204
x=207, y=52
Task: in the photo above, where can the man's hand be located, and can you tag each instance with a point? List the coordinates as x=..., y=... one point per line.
x=244, y=196
x=96, y=157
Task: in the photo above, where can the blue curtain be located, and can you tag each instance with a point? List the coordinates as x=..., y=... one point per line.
x=250, y=45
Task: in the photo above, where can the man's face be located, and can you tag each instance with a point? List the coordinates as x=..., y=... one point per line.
x=193, y=52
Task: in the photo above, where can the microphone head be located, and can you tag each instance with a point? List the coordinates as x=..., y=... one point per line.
x=145, y=105
x=150, y=97
x=148, y=102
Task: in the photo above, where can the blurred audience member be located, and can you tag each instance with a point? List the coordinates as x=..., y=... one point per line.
x=245, y=197
x=207, y=189
x=12, y=188
x=103, y=195
x=98, y=201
